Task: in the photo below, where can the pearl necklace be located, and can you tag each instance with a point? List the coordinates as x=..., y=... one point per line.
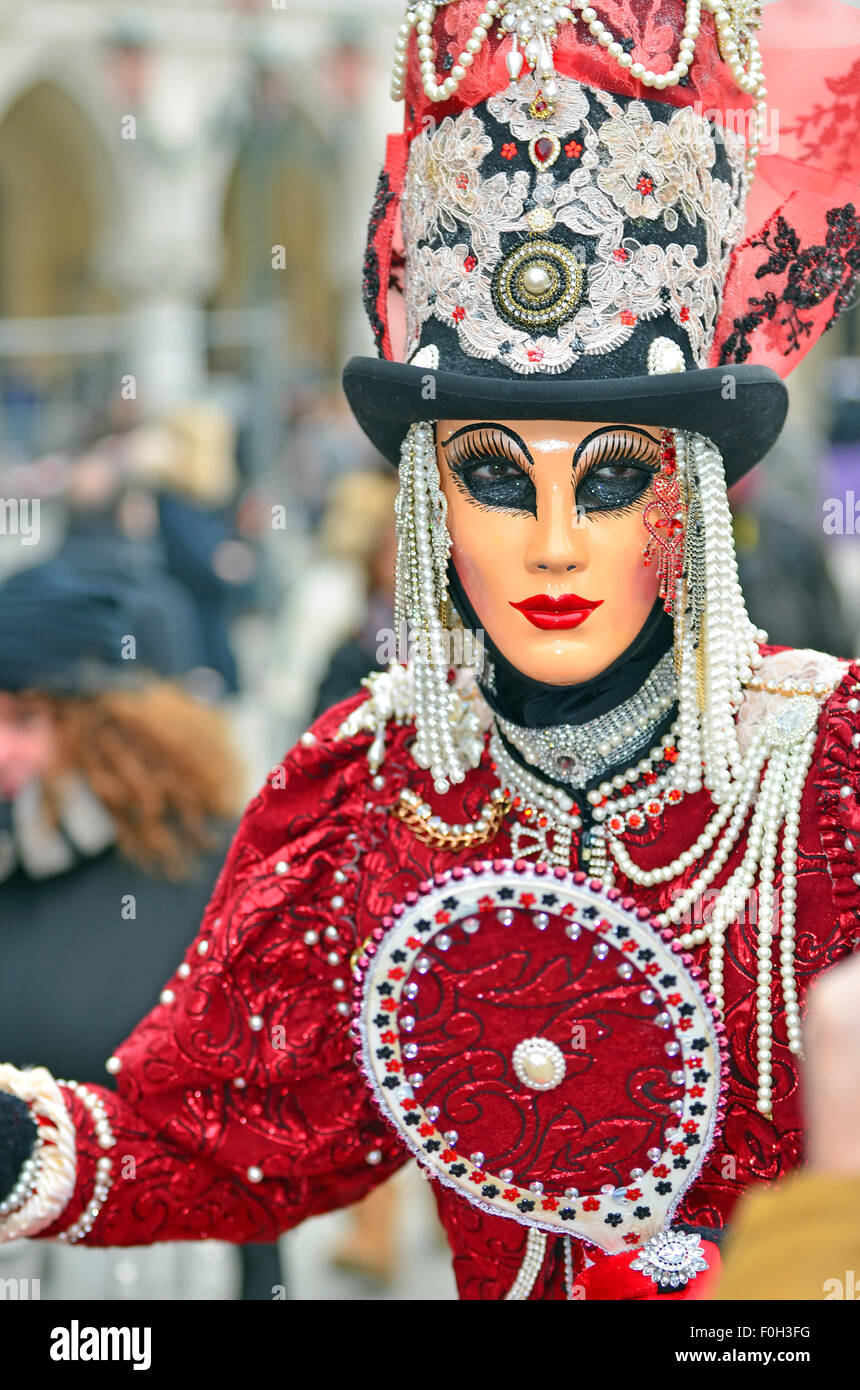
x=767, y=794
x=782, y=750
x=533, y=25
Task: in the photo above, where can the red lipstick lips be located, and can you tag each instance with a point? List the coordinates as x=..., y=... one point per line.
x=566, y=611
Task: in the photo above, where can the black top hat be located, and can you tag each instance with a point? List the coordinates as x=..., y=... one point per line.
x=565, y=256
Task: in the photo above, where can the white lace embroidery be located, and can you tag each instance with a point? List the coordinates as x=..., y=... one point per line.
x=800, y=665
x=631, y=167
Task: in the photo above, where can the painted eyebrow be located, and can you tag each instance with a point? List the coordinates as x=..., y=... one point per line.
x=496, y=429
x=610, y=429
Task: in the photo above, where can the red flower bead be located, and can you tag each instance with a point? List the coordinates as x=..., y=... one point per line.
x=509, y=150
x=573, y=149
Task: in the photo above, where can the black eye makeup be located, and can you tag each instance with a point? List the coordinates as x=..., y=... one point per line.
x=492, y=466
x=614, y=468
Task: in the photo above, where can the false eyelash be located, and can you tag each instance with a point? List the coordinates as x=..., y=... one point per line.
x=615, y=445
x=471, y=448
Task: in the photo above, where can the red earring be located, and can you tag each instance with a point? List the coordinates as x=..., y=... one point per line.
x=664, y=521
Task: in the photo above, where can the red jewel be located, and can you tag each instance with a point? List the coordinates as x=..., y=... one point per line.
x=442, y=917
x=573, y=149
x=697, y=1090
x=568, y=910
x=478, y=1176
x=470, y=262
x=631, y=1238
x=626, y=790
x=652, y=969
x=678, y=1148
x=633, y=1193
x=517, y=801
x=509, y=150
x=542, y=821
x=645, y=185
x=462, y=181
x=414, y=943
x=627, y=318
x=684, y=1024
x=620, y=254
x=591, y=1204
x=549, y=1203
x=392, y=1066
x=616, y=824
x=649, y=778
x=670, y=754
x=635, y=821
x=396, y=974
x=458, y=313
x=689, y=1126
x=543, y=148
x=388, y=1036
x=629, y=947
x=661, y=1171
x=539, y=106
x=527, y=899
x=674, y=999
x=653, y=808
x=535, y=354
x=389, y=1006
x=425, y=1131
x=448, y=1155
x=486, y=904
x=693, y=1063
x=684, y=313
x=510, y=1194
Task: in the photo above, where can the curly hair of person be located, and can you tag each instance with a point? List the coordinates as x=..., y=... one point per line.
x=161, y=763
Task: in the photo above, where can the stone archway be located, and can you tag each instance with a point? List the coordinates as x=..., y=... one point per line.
x=52, y=194
x=281, y=193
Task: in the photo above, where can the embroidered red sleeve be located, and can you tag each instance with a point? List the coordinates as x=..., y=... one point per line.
x=239, y=1110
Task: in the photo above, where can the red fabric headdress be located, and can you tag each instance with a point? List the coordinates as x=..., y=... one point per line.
x=794, y=271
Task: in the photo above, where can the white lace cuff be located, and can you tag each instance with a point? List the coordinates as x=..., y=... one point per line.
x=48, y=1178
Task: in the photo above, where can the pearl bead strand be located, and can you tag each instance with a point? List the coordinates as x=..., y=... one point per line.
x=533, y=27
x=104, y=1166
x=530, y=1268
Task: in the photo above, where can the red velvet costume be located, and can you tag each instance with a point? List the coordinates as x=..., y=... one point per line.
x=249, y=1064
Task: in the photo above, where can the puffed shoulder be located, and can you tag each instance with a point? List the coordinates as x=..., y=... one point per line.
x=287, y=912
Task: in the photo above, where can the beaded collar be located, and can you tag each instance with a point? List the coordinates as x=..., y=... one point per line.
x=576, y=754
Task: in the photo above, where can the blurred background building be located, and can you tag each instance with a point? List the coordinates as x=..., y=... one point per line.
x=184, y=192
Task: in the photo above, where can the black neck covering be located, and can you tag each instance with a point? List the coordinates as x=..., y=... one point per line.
x=535, y=704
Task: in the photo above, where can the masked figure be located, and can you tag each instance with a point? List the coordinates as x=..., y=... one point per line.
x=540, y=906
